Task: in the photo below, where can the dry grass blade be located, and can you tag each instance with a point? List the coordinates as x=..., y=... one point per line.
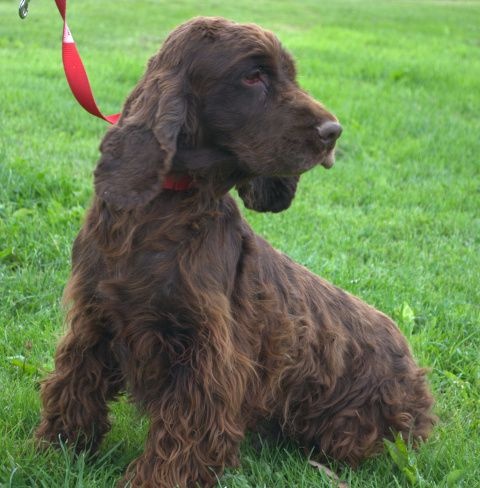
x=329, y=473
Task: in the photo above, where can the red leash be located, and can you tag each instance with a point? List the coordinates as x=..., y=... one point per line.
x=80, y=85
x=75, y=72
x=73, y=66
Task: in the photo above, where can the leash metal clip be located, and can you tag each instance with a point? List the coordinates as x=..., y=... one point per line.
x=23, y=8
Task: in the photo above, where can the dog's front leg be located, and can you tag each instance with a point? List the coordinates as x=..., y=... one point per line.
x=75, y=395
x=187, y=448
x=196, y=424
x=193, y=436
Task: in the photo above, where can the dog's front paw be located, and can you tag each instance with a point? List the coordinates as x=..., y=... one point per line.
x=54, y=433
x=152, y=472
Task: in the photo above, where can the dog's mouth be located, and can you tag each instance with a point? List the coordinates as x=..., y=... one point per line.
x=329, y=159
x=326, y=158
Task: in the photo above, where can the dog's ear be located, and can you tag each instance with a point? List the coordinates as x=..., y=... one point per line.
x=268, y=193
x=137, y=152
x=131, y=169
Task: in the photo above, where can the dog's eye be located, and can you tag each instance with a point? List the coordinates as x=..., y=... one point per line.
x=258, y=75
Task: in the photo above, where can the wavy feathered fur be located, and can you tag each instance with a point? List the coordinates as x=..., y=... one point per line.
x=176, y=300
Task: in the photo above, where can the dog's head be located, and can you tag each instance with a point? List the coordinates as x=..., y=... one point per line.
x=218, y=84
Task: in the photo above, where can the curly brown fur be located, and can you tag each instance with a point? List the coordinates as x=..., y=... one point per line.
x=176, y=300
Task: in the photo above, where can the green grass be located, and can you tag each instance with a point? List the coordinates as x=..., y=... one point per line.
x=396, y=221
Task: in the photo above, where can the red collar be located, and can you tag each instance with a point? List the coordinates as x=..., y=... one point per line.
x=177, y=183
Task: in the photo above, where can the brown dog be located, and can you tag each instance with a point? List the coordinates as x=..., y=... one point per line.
x=175, y=299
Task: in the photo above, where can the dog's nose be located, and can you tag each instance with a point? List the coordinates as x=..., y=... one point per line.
x=329, y=132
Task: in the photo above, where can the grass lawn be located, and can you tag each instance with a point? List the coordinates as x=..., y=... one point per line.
x=396, y=221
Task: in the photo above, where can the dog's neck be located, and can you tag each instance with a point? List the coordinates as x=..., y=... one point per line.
x=178, y=182
x=208, y=169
